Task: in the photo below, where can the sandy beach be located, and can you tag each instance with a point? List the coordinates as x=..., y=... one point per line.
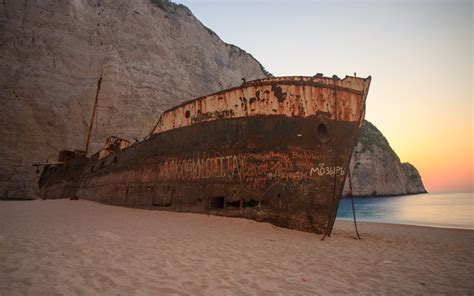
x=63, y=247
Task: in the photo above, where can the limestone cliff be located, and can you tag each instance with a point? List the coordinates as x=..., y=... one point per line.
x=151, y=55
x=375, y=168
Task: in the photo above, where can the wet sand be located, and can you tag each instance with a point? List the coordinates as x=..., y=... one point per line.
x=63, y=247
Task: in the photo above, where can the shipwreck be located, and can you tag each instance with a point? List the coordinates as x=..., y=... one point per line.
x=274, y=150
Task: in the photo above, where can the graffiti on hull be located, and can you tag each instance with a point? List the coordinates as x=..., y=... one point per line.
x=254, y=171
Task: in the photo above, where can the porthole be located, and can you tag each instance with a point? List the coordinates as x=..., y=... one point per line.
x=322, y=133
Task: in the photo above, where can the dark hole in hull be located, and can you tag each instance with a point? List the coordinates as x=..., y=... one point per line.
x=162, y=205
x=250, y=203
x=217, y=202
x=322, y=133
x=232, y=204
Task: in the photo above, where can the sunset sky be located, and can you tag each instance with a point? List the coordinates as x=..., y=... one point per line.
x=419, y=54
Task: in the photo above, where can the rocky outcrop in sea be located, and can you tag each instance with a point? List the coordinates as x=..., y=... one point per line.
x=375, y=169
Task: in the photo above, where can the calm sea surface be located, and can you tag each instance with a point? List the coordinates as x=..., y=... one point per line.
x=454, y=210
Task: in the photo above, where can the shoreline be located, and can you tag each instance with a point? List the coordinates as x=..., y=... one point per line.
x=405, y=224
x=384, y=195
x=82, y=247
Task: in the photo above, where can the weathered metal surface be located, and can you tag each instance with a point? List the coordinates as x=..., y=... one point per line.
x=113, y=145
x=289, y=96
x=94, y=109
x=287, y=167
x=42, y=164
x=63, y=180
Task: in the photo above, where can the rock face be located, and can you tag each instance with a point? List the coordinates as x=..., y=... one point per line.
x=375, y=168
x=150, y=54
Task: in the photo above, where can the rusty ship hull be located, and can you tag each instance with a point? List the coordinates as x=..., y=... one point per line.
x=274, y=150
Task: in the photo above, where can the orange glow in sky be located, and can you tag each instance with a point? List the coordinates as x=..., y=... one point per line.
x=419, y=54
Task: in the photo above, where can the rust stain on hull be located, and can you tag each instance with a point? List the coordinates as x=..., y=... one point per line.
x=273, y=150
x=288, y=96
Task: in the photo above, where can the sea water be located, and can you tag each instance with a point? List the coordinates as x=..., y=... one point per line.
x=453, y=210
